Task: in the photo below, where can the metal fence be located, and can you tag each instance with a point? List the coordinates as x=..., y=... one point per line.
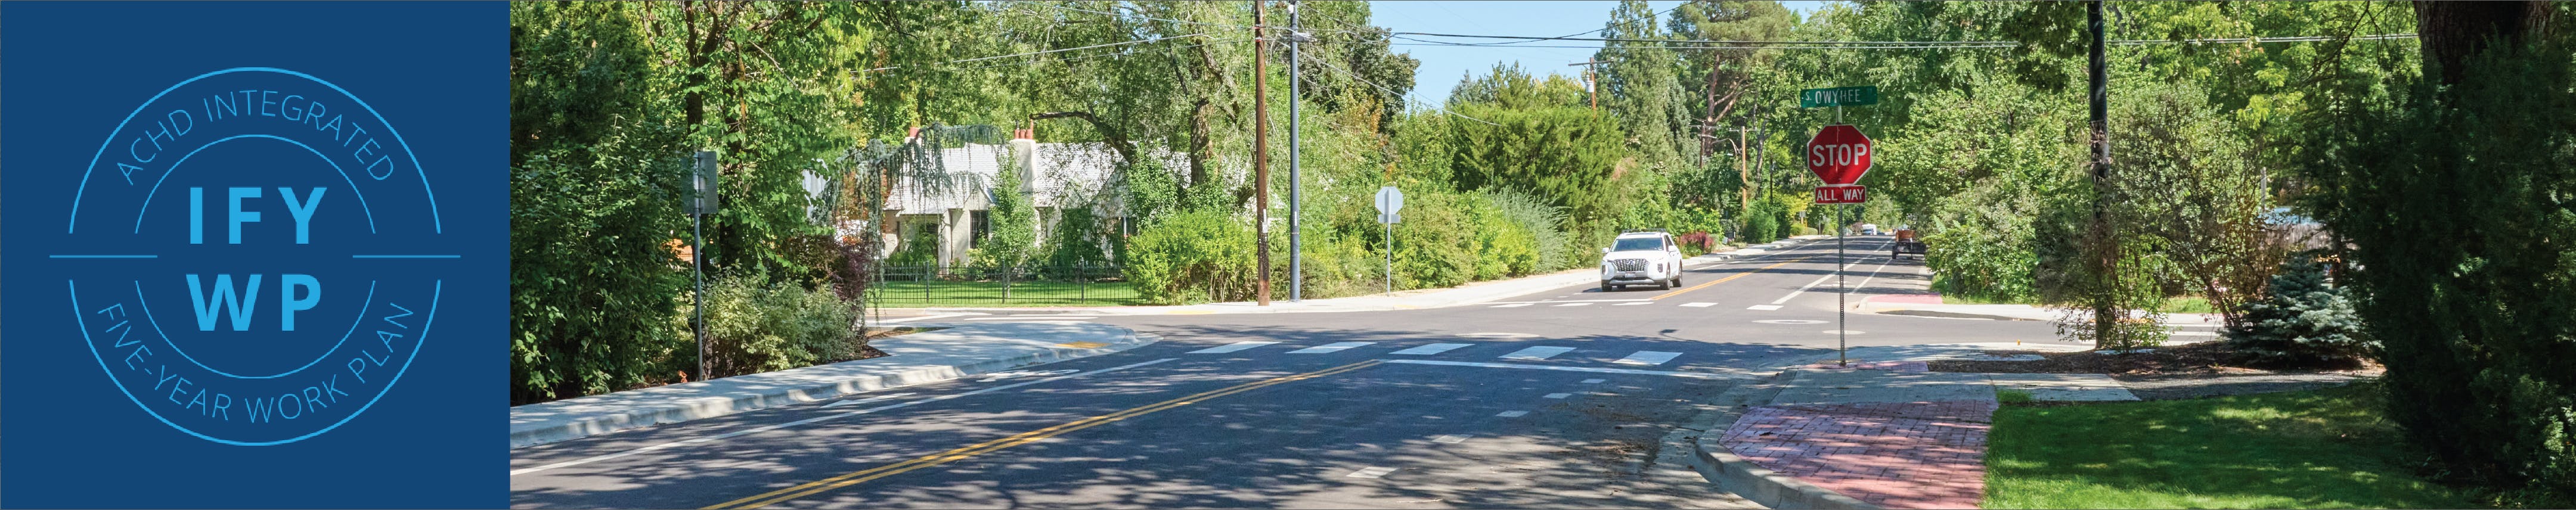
x=947, y=286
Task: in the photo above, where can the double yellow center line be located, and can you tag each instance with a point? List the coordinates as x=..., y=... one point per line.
x=1724, y=280
x=859, y=477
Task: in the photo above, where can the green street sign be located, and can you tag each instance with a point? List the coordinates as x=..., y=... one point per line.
x=1838, y=96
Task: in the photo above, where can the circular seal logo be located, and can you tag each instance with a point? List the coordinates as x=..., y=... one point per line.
x=258, y=256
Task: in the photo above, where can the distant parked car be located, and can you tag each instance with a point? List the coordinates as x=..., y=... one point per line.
x=1906, y=243
x=1869, y=229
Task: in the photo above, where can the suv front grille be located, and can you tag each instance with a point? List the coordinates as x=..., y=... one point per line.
x=1629, y=264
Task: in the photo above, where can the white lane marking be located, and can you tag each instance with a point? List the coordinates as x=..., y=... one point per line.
x=844, y=402
x=1821, y=280
x=921, y=318
x=1513, y=305
x=1873, y=275
x=1237, y=346
x=1647, y=358
x=1537, y=353
x=996, y=376
x=1632, y=304
x=1450, y=439
x=1763, y=307
x=766, y=428
x=1576, y=304
x=1693, y=375
x=1429, y=349
x=1593, y=381
x=1554, y=301
x=1699, y=305
x=1331, y=347
x=1372, y=472
x=1559, y=395
x=1512, y=414
x=1039, y=318
x=1802, y=289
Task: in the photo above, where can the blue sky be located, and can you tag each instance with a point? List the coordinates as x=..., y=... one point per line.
x=1442, y=66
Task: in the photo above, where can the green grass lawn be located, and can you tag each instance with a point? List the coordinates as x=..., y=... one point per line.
x=2312, y=449
x=902, y=294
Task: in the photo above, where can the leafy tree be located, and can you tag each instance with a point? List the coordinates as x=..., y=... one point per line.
x=595, y=188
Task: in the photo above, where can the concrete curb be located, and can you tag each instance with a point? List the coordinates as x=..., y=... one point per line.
x=562, y=420
x=1743, y=477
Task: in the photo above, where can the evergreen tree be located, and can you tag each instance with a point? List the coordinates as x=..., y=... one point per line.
x=2303, y=320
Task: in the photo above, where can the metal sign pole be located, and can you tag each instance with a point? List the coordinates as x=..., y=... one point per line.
x=1842, y=309
x=1390, y=259
x=697, y=271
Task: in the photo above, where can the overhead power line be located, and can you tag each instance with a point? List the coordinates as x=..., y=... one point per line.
x=1407, y=96
x=1895, y=45
x=1058, y=50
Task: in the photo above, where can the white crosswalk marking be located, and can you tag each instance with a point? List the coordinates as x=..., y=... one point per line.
x=1647, y=358
x=1372, y=472
x=1512, y=414
x=1513, y=305
x=1763, y=307
x=1331, y=347
x=1237, y=346
x=1576, y=304
x=1450, y=439
x=1430, y=349
x=1559, y=395
x=1635, y=303
x=1699, y=305
x=1537, y=353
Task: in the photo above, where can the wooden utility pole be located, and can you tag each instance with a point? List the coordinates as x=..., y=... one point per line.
x=1591, y=80
x=1260, y=156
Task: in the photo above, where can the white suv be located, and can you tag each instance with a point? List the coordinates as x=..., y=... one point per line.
x=1641, y=257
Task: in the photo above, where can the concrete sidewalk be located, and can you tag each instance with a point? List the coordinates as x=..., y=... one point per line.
x=960, y=350
x=1930, y=305
x=1468, y=294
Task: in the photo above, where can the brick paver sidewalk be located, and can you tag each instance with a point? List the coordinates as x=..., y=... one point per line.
x=1894, y=455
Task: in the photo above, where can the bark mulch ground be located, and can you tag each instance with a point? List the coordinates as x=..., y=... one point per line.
x=2205, y=369
x=2208, y=358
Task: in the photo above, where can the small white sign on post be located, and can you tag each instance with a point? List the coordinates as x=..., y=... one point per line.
x=1388, y=202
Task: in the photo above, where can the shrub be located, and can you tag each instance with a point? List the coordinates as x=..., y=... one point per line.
x=1760, y=226
x=2303, y=320
x=1546, y=227
x=1191, y=257
x=1436, y=245
x=757, y=325
x=1696, y=243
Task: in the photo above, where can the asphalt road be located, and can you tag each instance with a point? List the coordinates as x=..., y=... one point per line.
x=1554, y=399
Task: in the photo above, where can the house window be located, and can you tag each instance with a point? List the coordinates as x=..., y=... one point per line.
x=983, y=225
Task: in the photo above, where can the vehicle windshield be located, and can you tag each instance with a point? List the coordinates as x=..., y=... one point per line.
x=1638, y=244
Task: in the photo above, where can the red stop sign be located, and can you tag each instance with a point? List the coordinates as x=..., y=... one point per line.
x=1839, y=154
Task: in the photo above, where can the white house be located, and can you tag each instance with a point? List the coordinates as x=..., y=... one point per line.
x=1056, y=175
